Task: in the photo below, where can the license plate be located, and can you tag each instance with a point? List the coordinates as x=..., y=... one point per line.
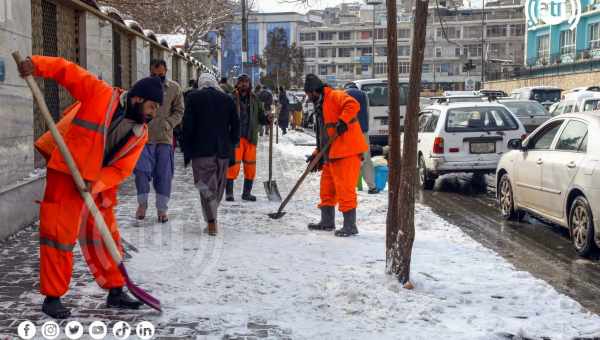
x=482, y=147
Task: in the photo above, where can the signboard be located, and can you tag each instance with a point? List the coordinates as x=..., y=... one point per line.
x=469, y=84
x=365, y=59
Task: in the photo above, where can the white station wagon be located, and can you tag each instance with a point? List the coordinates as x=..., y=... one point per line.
x=463, y=137
x=555, y=174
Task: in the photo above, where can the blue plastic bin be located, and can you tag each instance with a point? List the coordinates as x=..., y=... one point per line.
x=381, y=176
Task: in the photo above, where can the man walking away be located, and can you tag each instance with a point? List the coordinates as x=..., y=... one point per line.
x=366, y=168
x=211, y=132
x=336, y=113
x=266, y=98
x=284, y=113
x=224, y=83
x=157, y=161
x=106, y=134
x=252, y=115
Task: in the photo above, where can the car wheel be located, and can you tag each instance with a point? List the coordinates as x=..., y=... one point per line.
x=425, y=180
x=506, y=199
x=581, y=225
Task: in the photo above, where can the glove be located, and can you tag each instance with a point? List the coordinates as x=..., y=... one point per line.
x=319, y=166
x=341, y=127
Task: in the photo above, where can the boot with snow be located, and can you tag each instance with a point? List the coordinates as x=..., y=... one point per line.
x=349, y=227
x=117, y=298
x=327, y=222
x=54, y=308
x=246, y=196
x=211, y=228
x=229, y=191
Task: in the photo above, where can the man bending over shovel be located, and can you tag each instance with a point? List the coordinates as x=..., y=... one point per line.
x=105, y=130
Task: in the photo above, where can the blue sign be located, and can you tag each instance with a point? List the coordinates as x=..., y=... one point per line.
x=365, y=59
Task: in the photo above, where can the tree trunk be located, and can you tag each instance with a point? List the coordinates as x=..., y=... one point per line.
x=401, y=226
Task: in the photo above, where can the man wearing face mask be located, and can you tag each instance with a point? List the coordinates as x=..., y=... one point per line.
x=105, y=131
x=336, y=114
x=252, y=115
x=157, y=161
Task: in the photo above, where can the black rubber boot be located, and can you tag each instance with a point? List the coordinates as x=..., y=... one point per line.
x=349, y=227
x=54, y=308
x=229, y=191
x=327, y=222
x=117, y=298
x=246, y=195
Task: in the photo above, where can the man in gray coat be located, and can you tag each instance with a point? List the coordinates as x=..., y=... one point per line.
x=156, y=163
x=366, y=169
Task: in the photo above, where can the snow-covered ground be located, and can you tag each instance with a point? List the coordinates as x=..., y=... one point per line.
x=312, y=285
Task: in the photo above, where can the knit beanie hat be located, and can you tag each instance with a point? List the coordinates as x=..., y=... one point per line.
x=149, y=88
x=313, y=83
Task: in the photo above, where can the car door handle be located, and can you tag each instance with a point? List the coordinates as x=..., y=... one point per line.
x=540, y=161
x=571, y=165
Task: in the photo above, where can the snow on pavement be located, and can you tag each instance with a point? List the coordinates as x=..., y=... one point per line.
x=312, y=285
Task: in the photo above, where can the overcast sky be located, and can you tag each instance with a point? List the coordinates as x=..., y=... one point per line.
x=277, y=6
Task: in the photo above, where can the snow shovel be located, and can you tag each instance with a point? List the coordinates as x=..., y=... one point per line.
x=311, y=166
x=271, y=186
x=87, y=197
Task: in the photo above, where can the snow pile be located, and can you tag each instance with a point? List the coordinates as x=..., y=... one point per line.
x=312, y=285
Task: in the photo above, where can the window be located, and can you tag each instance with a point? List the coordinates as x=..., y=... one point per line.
x=473, y=50
x=426, y=68
x=403, y=51
x=543, y=139
x=543, y=47
x=381, y=33
x=310, y=69
x=457, y=52
x=378, y=94
x=365, y=67
x=345, y=68
x=472, y=32
x=496, y=31
x=403, y=68
x=364, y=51
x=567, y=42
x=428, y=121
x=451, y=32
x=327, y=52
x=380, y=68
x=517, y=30
x=325, y=69
x=345, y=52
x=345, y=35
x=365, y=35
x=325, y=36
x=591, y=105
x=498, y=50
x=572, y=136
x=381, y=51
x=583, y=146
x=312, y=36
x=453, y=69
x=310, y=53
x=438, y=52
x=322, y=70
x=403, y=33
x=479, y=119
x=594, y=34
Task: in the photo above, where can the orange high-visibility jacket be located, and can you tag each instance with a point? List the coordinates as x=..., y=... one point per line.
x=85, y=124
x=339, y=105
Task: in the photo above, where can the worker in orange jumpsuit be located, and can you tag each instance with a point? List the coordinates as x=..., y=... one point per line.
x=336, y=114
x=105, y=131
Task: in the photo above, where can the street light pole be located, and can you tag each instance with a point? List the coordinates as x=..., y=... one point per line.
x=482, y=43
x=244, y=35
x=373, y=3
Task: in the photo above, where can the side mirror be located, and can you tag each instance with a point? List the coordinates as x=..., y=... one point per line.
x=515, y=144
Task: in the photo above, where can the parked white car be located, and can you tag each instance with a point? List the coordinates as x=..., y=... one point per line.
x=463, y=137
x=580, y=101
x=553, y=174
x=530, y=112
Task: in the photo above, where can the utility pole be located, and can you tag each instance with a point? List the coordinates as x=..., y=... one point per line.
x=400, y=231
x=482, y=43
x=244, y=35
x=373, y=3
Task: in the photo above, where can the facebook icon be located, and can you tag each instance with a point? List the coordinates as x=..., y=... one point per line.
x=26, y=330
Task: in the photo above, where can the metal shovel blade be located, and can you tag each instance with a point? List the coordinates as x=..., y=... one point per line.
x=138, y=292
x=272, y=191
x=277, y=215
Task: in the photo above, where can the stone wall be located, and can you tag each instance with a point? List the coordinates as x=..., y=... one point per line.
x=98, y=47
x=566, y=81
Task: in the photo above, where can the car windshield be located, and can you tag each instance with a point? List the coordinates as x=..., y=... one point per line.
x=474, y=119
x=591, y=105
x=545, y=95
x=378, y=94
x=526, y=108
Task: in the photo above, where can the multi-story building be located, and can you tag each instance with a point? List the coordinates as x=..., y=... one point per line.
x=341, y=49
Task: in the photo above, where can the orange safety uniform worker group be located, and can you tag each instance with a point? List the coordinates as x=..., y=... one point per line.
x=105, y=131
x=337, y=125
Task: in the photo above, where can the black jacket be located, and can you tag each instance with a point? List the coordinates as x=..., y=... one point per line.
x=211, y=125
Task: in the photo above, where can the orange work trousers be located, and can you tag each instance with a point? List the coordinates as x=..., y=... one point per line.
x=338, y=183
x=246, y=153
x=63, y=219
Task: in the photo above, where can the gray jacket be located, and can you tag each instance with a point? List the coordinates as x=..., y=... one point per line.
x=169, y=115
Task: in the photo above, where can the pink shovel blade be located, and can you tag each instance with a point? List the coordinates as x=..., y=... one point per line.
x=139, y=293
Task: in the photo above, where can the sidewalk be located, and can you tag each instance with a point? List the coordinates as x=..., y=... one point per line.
x=263, y=278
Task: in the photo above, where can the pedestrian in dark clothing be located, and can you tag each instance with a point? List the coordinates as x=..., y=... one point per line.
x=367, y=170
x=284, y=112
x=211, y=132
x=224, y=83
x=266, y=98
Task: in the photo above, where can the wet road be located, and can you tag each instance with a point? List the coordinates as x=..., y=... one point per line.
x=542, y=249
